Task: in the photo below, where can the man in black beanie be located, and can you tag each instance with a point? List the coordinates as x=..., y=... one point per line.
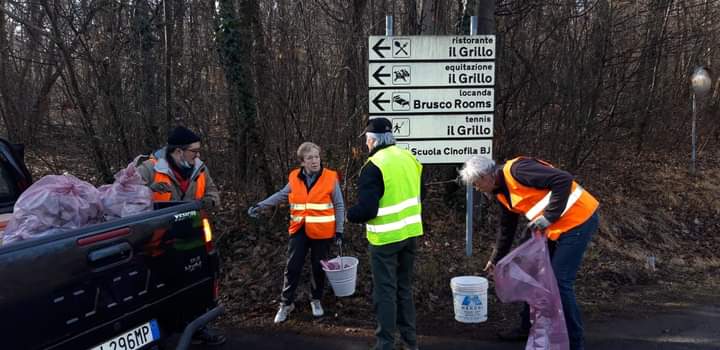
x=176, y=173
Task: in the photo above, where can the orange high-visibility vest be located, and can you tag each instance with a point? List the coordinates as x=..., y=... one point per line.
x=165, y=178
x=315, y=210
x=531, y=202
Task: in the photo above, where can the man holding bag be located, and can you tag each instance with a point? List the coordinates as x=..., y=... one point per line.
x=176, y=173
x=555, y=205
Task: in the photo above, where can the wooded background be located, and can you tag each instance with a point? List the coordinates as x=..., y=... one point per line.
x=577, y=81
x=599, y=88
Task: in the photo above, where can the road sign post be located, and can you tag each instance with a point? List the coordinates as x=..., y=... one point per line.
x=438, y=92
x=435, y=90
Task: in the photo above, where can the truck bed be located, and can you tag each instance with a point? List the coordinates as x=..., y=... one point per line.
x=83, y=288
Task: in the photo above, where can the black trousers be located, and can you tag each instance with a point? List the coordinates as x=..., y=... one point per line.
x=297, y=250
x=392, y=273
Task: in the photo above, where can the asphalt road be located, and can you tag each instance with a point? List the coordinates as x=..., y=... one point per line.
x=693, y=328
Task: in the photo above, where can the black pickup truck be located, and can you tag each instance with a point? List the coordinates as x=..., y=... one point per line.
x=120, y=285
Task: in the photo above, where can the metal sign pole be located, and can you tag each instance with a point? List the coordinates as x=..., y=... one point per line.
x=469, y=189
x=469, y=219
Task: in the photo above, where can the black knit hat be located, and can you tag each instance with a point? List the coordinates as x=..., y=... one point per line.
x=378, y=126
x=181, y=136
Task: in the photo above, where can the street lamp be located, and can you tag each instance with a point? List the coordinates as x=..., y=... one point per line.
x=700, y=82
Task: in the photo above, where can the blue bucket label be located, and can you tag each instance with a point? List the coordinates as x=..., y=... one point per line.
x=470, y=307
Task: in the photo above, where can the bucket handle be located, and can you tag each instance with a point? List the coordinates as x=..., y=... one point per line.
x=342, y=267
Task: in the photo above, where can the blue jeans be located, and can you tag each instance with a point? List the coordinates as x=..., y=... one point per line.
x=566, y=254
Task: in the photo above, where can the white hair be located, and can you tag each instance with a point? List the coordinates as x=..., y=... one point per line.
x=385, y=138
x=475, y=167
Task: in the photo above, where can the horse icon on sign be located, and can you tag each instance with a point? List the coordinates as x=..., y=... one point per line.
x=401, y=48
x=401, y=75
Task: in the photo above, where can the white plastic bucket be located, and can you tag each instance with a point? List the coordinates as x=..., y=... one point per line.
x=343, y=281
x=469, y=298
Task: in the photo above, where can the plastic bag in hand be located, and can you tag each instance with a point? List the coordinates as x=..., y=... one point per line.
x=526, y=274
x=55, y=203
x=128, y=195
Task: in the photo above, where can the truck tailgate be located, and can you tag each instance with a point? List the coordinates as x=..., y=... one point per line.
x=80, y=288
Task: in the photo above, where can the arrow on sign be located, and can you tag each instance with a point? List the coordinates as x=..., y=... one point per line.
x=377, y=75
x=376, y=101
x=377, y=48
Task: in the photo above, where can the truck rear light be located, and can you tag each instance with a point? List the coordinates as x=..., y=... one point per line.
x=207, y=230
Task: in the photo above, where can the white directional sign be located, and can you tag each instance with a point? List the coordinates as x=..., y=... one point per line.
x=432, y=101
x=429, y=74
x=445, y=48
x=446, y=151
x=460, y=126
x=438, y=92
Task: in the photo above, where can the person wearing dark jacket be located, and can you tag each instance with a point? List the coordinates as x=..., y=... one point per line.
x=389, y=204
x=176, y=173
x=317, y=213
x=554, y=204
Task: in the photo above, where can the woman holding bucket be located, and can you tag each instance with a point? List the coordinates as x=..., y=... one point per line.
x=554, y=204
x=317, y=212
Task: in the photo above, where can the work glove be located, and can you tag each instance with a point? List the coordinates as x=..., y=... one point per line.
x=160, y=187
x=207, y=203
x=338, y=238
x=254, y=211
x=539, y=224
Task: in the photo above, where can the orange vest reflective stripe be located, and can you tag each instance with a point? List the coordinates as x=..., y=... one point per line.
x=531, y=202
x=314, y=210
x=167, y=196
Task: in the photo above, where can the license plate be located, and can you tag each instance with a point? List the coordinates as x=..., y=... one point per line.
x=133, y=339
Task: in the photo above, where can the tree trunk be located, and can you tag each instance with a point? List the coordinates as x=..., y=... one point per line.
x=146, y=76
x=168, y=38
x=71, y=81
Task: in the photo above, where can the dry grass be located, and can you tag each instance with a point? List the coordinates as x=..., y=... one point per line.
x=652, y=208
x=660, y=212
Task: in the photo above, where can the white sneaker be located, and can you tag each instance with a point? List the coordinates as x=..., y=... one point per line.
x=283, y=312
x=317, y=309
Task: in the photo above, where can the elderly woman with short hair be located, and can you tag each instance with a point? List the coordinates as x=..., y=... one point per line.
x=317, y=213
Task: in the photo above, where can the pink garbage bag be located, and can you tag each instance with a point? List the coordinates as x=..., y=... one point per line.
x=334, y=264
x=128, y=195
x=526, y=274
x=53, y=204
